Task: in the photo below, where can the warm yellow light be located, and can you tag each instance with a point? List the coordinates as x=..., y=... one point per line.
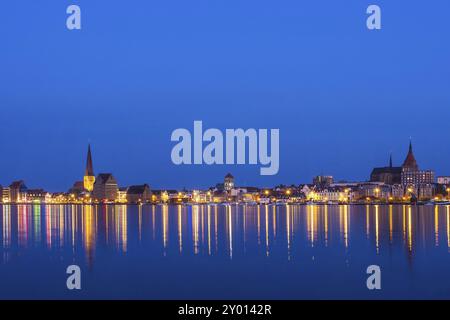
x=266, y=192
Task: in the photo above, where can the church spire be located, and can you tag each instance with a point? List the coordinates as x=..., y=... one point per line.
x=89, y=168
x=390, y=160
x=89, y=178
x=410, y=161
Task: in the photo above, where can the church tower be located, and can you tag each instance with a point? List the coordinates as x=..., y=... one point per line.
x=89, y=177
x=410, y=161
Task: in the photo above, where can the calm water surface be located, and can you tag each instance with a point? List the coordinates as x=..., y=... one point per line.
x=215, y=252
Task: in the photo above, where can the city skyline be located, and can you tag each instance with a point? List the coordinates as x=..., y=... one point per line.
x=224, y=150
x=342, y=96
x=89, y=174
x=408, y=183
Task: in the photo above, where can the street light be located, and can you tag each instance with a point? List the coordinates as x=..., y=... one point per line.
x=377, y=191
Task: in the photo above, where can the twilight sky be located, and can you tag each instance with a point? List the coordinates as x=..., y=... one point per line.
x=342, y=96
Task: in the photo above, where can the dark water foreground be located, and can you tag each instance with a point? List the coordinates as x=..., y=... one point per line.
x=224, y=252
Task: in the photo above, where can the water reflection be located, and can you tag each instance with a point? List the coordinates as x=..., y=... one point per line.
x=232, y=231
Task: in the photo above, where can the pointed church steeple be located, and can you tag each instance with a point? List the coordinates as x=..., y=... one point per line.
x=390, y=160
x=89, y=177
x=410, y=161
x=89, y=167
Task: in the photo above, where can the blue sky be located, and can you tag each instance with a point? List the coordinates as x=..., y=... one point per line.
x=342, y=96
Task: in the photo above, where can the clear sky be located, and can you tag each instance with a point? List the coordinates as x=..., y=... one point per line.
x=342, y=96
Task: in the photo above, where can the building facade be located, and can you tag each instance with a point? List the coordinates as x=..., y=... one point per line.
x=139, y=194
x=406, y=178
x=228, y=184
x=105, y=188
x=411, y=175
x=323, y=181
x=6, y=195
x=38, y=195
x=18, y=192
x=443, y=180
x=389, y=175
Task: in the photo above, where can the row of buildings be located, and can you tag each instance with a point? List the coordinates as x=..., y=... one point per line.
x=93, y=189
x=406, y=183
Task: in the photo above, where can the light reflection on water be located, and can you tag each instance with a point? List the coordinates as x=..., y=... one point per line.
x=237, y=233
x=199, y=228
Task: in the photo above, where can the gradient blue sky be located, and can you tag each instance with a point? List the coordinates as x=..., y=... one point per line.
x=342, y=96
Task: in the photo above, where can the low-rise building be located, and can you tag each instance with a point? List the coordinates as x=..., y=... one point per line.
x=105, y=188
x=331, y=194
x=443, y=180
x=122, y=195
x=18, y=192
x=139, y=194
x=374, y=190
x=323, y=181
x=77, y=188
x=38, y=195
x=417, y=177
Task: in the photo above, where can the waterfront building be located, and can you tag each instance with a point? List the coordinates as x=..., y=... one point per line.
x=199, y=196
x=105, y=187
x=405, y=178
x=331, y=194
x=374, y=190
x=411, y=175
x=417, y=178
x=426, y=191
x=122, y=195
x=308, y=191
x=89, y=177
x=245, y=194
x=77, y=188
x=38, y=196
x=18, y=192
x=443, y=180
x=165, y=196
x=323, y=181
x=388, y=175
x=397, y=191
x=219, y=197
x=139, y=194
x=228, y=182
